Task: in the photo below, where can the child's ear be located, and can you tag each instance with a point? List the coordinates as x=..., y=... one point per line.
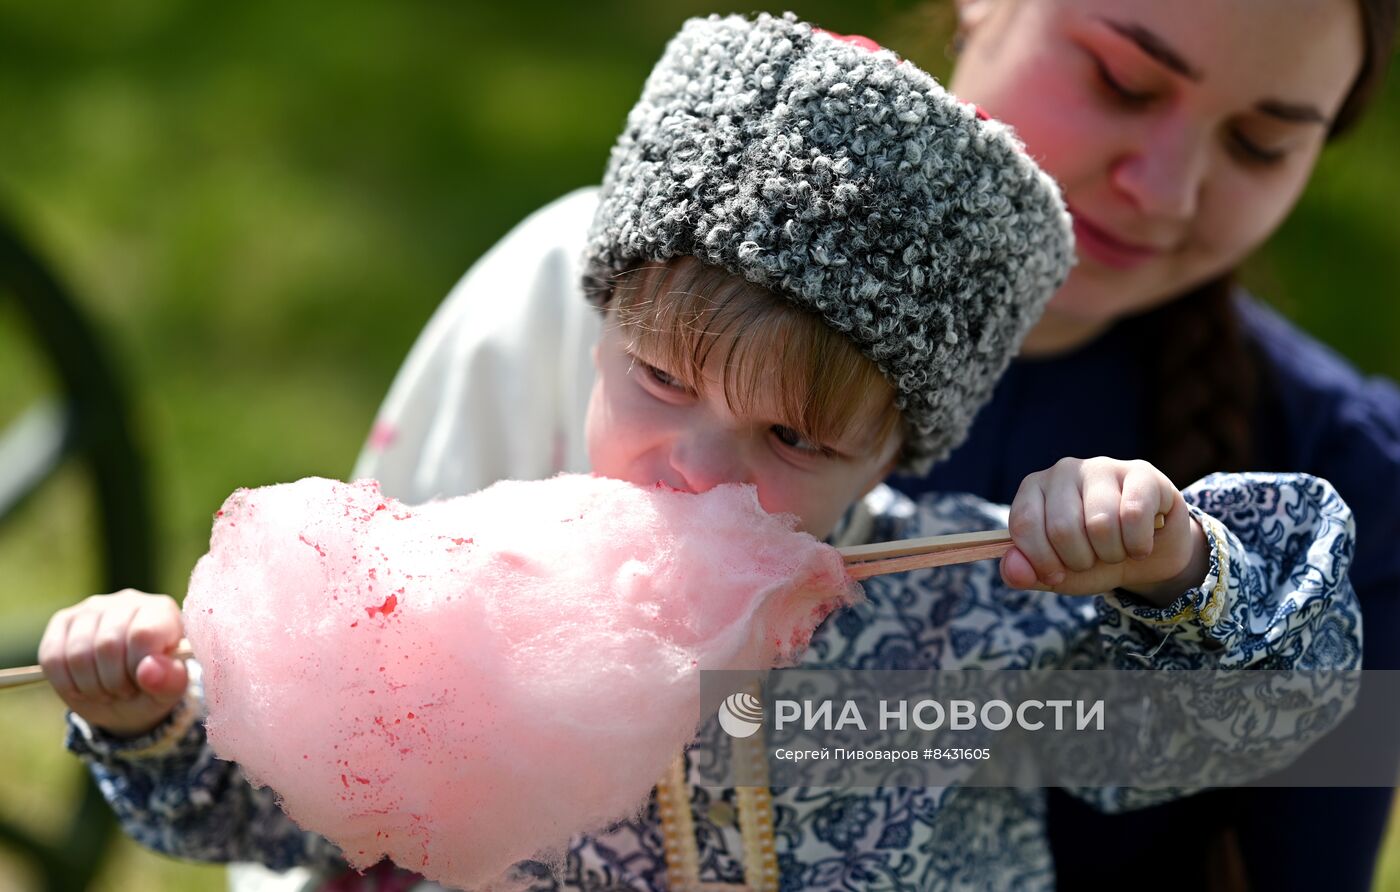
x=890, y=465
x=884, y=471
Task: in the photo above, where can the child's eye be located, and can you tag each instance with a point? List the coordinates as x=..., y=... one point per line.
x=793, y=440
x=670, y=382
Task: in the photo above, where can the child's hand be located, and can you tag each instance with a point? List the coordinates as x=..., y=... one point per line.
x=108, y=658
x=1085, y=526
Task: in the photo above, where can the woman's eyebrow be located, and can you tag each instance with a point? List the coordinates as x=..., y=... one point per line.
x=1154, y=45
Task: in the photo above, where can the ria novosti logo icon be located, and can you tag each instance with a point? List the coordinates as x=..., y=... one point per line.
x=741, y=714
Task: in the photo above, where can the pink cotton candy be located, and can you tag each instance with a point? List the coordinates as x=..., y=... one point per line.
x=466, y=684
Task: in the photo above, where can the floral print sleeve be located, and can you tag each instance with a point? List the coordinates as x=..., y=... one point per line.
x=172, y=794
x=1277, y=597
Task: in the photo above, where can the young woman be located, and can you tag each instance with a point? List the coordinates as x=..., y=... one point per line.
x=1182, y=134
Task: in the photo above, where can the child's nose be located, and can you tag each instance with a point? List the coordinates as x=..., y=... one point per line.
x=704, y=460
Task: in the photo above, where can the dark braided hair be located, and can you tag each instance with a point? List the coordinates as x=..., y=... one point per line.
x=1209, y=375
x=1212, y=375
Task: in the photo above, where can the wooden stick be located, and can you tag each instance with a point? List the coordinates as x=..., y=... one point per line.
x=877, y=551
x=864, y=561
x=27, y=675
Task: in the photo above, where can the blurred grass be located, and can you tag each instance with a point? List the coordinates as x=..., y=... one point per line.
x=260, y=204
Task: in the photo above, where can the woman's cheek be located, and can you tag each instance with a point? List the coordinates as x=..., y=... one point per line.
x=1060, y=128
x=1244, y=209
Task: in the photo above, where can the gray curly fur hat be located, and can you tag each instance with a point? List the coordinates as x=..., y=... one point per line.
x=852, y=184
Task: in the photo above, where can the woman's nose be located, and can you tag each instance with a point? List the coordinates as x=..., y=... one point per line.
x=705, y=459
x=1163, y=174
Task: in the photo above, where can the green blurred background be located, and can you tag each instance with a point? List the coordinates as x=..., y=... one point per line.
x=260, y=204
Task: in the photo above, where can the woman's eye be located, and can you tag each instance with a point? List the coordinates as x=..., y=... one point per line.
x=1117, y=89
x=793, y=440
x=1253, y=153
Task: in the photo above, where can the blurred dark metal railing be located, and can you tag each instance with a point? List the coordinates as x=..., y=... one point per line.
x=88, y=421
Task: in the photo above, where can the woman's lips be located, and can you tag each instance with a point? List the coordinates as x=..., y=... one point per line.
x=1107, y=249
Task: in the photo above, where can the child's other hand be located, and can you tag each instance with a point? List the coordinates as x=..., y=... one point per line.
x=1086, y=526
x=108, y=657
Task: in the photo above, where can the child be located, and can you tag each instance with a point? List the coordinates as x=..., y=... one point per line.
x=812, y=264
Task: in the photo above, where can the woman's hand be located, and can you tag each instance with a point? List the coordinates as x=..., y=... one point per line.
x=108, y=657
x=1086, y=526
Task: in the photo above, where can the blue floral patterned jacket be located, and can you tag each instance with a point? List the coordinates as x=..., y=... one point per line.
x=1276, y=596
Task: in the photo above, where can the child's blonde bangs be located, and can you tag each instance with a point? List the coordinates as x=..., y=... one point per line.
x=679, y=312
